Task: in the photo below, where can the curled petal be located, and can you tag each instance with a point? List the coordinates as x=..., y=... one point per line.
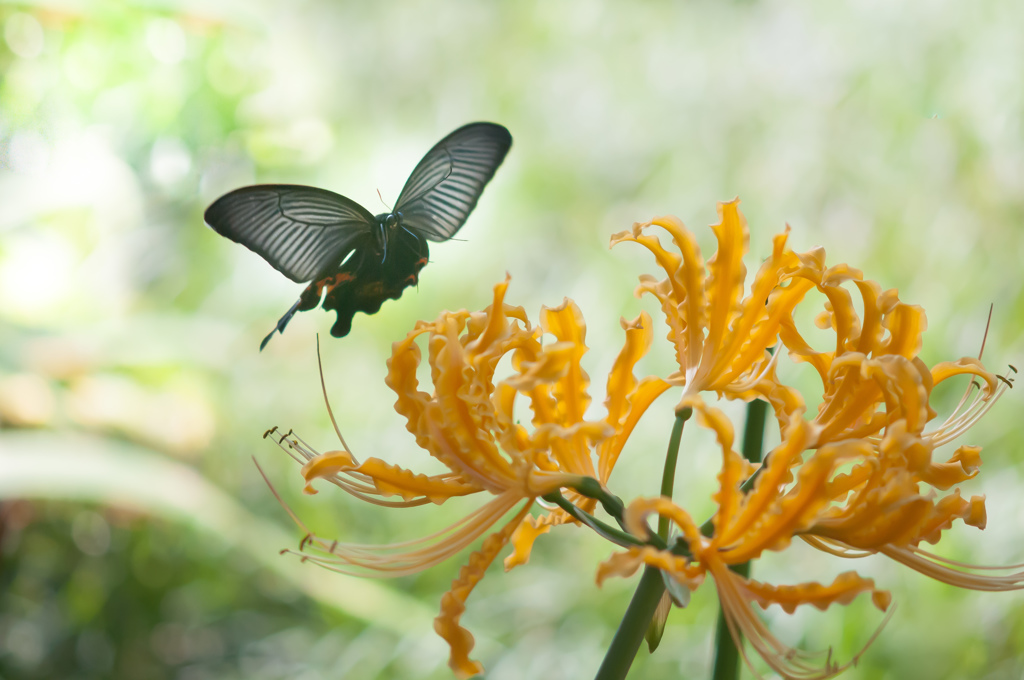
x=622, y=564
x=906, y=324
x=965, y=366
x=394, y=480
x=776, y=472
x=943, y=513
x=646, y=392
x=551, y=366
x=964, y=465
x=621, y=381
x=626, y=563
x=842, y=590
x=681, y=293
x=326, y=464
x=736, y=596
x=795, y=510
x=566, y=323
x=528, y=532
x=734, y=468
x=726, y=274
x=635, y=520
x=453, y=603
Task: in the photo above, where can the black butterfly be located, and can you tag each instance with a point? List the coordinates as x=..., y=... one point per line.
x=315, y=235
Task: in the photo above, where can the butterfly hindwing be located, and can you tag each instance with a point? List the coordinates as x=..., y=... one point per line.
x=445, y=186
x=301, y=231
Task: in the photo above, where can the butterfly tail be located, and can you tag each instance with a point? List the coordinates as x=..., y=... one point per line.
x=281, y=323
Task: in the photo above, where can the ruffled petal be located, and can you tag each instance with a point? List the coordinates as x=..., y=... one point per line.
x=842, y=590
x=453, y=603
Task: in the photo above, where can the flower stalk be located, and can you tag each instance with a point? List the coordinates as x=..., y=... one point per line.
x=637, y=619
x=727, y=656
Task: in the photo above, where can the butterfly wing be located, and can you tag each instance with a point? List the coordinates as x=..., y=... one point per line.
x=445, y=186
x=301, y=231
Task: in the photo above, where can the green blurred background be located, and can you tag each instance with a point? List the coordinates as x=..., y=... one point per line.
x=138, y=539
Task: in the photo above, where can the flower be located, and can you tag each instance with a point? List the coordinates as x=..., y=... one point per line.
x=878, y=389
x=875, y=362
x=856, y=479
x=786, y=499
x=469, y=424
x=721, y=340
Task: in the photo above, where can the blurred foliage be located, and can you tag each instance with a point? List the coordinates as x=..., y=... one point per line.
x=890, y=133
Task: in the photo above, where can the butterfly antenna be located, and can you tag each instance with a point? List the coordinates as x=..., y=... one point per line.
x=382, y=201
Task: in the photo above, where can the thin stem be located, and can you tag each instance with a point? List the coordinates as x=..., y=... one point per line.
x=634, y=626
x=637, y=619
x=620, y=538
x=727, y=656
x=668, y=477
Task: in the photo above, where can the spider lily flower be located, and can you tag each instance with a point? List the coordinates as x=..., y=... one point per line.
x=469, y=424
x=876, y=388
x=887, y=503
x=721, y=338
x=787, y=499
x=874, y=376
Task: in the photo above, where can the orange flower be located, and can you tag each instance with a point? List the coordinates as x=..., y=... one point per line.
x=721, y=337
x=468, y=424
x=786, y=500
x=875, y=361
x=878, y=389
x=856, y=479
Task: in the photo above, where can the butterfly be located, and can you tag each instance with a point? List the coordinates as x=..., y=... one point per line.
x=350, y=258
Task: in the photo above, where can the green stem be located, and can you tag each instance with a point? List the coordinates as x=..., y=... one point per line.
x=753, y=432
x=727, y=656
x=620, y=538
x=612, y=504
x=637, y=619
x=634, y=626
x=668, y=477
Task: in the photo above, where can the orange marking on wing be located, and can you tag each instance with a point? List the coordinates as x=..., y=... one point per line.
x=332, y=282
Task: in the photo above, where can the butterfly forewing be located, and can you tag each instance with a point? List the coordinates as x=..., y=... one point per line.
x=301, y=231
x=445, y=186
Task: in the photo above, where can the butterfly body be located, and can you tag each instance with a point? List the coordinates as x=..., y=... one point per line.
x=366, y=279
x=353, y=260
